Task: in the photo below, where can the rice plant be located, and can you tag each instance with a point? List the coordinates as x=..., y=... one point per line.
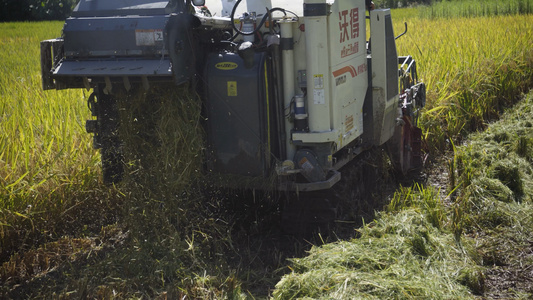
x=474, y=8
x=48, y=168
x=473, y=68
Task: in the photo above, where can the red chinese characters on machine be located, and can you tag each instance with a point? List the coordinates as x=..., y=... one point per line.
x=349, y=24
x=349, y=29
x=350, y=49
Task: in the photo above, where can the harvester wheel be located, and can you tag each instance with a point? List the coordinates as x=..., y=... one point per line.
x=404, y=148
x=398, y=150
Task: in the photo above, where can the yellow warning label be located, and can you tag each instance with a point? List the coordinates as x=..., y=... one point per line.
x=232, y=88
x=349, y=123
x=318, y=81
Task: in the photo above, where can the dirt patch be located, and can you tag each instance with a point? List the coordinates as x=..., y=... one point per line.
x=514, y=279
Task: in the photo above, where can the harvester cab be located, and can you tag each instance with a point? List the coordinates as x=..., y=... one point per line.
x=291, y=89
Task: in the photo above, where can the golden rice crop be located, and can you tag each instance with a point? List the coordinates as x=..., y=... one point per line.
x=42, y=136
x=474, y=8
x=47, y=164
x=473, y=67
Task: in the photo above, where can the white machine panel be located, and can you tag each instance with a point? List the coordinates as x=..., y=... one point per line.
x=337, y=73
x=348, y=68
x=222, y=8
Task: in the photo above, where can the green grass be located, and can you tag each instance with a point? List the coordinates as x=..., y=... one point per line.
x=423, y=248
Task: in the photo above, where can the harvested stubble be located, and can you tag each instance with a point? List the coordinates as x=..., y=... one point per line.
x=424, y=248
x=175, y=241
x=162, y=137
x=399, y=256
x=162, y=143
x=495, y=173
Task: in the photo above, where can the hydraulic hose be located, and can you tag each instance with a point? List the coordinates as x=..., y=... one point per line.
x=263, y=20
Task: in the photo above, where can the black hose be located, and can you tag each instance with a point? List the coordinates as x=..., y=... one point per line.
x=263, y=20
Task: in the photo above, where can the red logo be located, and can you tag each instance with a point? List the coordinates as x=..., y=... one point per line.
x=348, y=69
x=349, y=24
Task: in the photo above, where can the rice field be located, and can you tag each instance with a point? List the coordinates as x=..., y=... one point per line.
x=43, y=136
x=48, y=168
x=473, y=8
x=473, y=68
x=474, y=65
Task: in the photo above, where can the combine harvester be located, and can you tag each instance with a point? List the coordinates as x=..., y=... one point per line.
x=291, y=90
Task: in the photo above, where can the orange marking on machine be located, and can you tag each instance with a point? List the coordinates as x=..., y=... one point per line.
x=348, y=69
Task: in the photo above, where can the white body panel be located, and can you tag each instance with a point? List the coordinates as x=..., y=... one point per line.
x=384, y=99
x=287, y=28
x=319, y=102
x=337, y=78
x=331, y=52
x=222, y=8
x=348, y=68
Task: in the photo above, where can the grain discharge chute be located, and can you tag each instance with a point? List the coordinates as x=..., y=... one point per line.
x=290, y=89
